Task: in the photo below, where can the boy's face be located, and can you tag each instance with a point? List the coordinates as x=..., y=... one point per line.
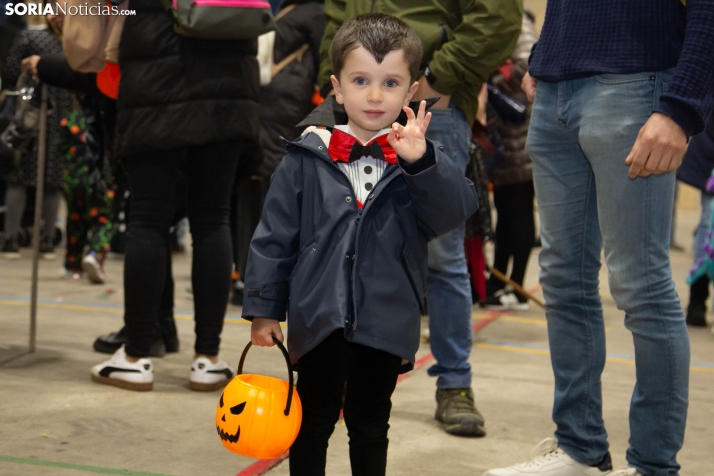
x=373, y=93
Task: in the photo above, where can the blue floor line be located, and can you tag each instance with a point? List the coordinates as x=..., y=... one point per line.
x=237, y=316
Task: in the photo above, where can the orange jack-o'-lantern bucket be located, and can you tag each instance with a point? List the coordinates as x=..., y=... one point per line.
x=259, y=416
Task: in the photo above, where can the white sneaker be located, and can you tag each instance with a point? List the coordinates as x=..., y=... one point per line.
x=94, y=268
x=120, y=372
x=625, y=472
x=520, y=306
x=505, y=300
x=547, y=459
x=207, y=376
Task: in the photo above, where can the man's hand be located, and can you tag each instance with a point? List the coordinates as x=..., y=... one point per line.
x=425, y=91
x=659, y=147
x=29, y=65
x=528, y=85
x=409, y=141
x=262, y=331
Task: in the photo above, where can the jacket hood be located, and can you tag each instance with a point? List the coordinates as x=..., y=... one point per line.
x=330, y=114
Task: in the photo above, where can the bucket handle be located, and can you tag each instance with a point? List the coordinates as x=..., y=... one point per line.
x=287, y=360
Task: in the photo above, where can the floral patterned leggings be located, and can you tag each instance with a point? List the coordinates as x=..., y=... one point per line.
x=89, y=205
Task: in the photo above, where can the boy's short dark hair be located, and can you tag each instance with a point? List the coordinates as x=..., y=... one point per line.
x=379, y=34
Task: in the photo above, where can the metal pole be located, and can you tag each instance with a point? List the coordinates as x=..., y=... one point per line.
x=39, y=197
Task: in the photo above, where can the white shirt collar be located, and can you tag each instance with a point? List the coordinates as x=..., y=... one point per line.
x=348, y=130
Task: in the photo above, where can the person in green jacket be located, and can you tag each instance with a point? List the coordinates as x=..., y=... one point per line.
x=464, y=41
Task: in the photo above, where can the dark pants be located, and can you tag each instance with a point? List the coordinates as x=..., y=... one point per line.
x=153, y=177
x=371, y=376
x=515, y=231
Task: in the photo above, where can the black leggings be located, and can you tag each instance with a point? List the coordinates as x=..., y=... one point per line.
x=153, y=177
x=371, y=376
x=515, y=231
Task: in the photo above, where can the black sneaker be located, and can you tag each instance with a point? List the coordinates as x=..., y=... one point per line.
x=697, y=314
x=110, y=343
x=456, y=410
x=697, y=308
x=10, y=249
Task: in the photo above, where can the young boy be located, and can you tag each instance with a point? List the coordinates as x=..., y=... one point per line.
x=342, y=244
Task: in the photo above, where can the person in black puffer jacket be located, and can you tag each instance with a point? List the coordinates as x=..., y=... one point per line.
x=179, y=96
x=284, y=102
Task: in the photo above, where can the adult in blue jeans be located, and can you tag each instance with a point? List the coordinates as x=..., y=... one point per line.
x=621, y=86
x=463, y=43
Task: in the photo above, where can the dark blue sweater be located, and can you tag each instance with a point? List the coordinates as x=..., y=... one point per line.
x=586, y=37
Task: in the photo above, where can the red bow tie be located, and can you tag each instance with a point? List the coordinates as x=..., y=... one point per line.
x=345, y=148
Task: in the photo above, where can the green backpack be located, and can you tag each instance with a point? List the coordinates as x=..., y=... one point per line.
x=221, y=19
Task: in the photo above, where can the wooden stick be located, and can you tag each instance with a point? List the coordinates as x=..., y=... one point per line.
x=501, y=277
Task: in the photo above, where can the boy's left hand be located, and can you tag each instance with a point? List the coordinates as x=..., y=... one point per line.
x=409, y=141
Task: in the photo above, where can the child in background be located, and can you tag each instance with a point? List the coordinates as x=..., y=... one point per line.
x=89, y=201
x=342, y=243
x=696, y=170
x=512, y=180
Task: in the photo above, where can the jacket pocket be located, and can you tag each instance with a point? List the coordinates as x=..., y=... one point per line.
x=303, y=256
x=415, y=277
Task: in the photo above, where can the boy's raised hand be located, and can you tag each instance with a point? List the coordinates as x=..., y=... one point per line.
x=262, y=331
x=409, y=141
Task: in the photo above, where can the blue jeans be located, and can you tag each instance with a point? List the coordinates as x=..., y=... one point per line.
x=447, y=283
x=581, y=131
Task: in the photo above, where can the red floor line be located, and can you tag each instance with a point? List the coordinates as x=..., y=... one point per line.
x=262, y=466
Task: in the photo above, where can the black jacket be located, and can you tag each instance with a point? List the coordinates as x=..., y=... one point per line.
x=178, y=92
x=288, y=98
x=331, y=265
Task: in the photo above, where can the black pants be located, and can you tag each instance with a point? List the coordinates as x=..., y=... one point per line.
x=371, y=376
x=515, y=231
x=153, y=176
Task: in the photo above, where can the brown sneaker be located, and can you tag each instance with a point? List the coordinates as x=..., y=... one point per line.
x=456, y=410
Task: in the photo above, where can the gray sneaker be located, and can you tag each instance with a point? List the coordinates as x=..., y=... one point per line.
x=456, y=410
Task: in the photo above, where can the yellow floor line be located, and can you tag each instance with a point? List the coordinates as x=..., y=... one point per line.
x=64, y=306
x=522, y=320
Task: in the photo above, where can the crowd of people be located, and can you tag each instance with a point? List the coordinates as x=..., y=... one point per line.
x=331, y=175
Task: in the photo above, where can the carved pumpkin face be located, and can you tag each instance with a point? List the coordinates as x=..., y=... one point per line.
x=234, y=410
x=250, y=418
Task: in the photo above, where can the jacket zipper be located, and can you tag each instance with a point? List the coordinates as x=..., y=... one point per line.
x=351, y=324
